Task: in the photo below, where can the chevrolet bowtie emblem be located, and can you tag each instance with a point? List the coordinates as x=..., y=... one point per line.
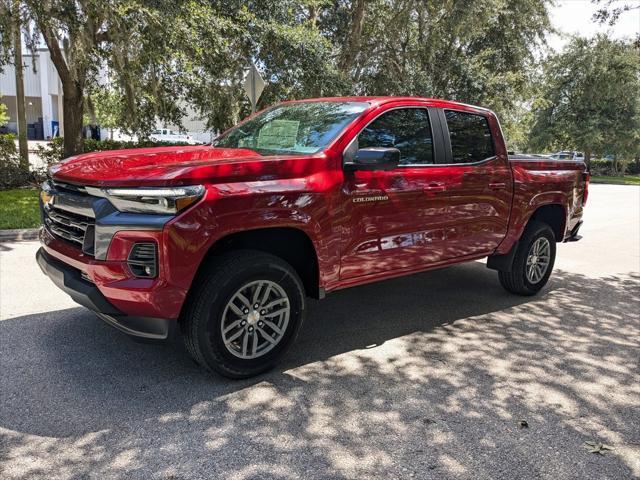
x=47, y=198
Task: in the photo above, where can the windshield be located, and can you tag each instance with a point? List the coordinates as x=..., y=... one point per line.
x=294, y=128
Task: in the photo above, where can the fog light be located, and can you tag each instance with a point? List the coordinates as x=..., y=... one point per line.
x=143, y=260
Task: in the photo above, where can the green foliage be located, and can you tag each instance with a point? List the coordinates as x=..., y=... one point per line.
x=4, y=116
x=104, y=107
x=516, y=124
x=602, y=167
x=19, y=208
x=294, y=57
x=7, y=146
x=11, y=175
x=163, y=54
x=53, y=151
x=475, y=52
x=611, y=10
x=589, y=99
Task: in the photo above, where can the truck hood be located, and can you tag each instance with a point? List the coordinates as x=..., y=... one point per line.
x=162, y=166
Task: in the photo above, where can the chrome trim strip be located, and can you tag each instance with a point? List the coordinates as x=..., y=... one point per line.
x=75, y=203
x=62, y=233
x=480, y=162
x=65, y=220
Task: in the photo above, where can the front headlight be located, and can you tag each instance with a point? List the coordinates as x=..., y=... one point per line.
x=162, y=200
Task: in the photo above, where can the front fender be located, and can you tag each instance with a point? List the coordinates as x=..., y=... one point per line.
x=188, y=238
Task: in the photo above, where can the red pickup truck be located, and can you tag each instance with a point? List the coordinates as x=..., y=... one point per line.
x=226, y=241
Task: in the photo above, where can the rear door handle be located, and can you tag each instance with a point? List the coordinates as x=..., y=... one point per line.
x=434, y=187
x=497, y=185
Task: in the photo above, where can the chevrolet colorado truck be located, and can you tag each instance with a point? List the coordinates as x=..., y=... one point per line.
x=225, y=242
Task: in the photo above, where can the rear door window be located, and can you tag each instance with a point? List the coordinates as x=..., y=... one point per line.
x=470, y=136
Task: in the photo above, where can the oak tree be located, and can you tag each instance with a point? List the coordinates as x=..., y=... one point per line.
x=589, y=99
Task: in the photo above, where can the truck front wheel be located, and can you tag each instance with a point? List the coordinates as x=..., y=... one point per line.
x=244, y=314
x=533, y=261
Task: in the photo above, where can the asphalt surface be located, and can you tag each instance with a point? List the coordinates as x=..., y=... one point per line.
x=427, y=376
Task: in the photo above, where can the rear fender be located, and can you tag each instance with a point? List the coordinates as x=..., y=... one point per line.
x=523, y=212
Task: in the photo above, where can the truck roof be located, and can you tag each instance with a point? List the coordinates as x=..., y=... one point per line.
x=381, y=100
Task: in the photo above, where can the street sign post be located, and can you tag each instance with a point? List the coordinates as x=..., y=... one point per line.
x=253, y=86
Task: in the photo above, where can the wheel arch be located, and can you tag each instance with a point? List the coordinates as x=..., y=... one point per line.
x=291, y=244
x=553, y=214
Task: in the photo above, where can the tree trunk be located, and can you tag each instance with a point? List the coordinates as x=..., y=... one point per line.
x=73, y=104
x=587, y=159
x=313, y=14
x=350, y=50
x=17, y=60
x=73, y=81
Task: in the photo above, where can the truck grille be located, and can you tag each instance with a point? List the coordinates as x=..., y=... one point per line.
x=68, y=225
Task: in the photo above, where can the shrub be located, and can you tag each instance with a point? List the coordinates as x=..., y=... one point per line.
x=8, y=146
x=601, y=167
x=634, y=167
x=11, y=175
x=609, y=168
x=54, y=151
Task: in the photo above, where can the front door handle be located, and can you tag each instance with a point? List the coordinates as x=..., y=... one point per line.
x=434, y=187
x=497, y=186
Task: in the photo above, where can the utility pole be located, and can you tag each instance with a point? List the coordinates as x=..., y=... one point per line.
x=17, y=60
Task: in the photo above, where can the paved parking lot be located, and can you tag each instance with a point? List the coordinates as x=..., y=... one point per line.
x=426, y=376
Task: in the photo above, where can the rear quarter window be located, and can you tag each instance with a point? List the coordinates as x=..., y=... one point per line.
x=470, y=136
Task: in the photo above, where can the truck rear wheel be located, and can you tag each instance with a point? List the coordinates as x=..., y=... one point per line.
x=533, y=261
x=244, y=314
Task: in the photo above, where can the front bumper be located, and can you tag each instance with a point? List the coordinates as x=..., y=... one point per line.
x=85, y=293
x=84, y=233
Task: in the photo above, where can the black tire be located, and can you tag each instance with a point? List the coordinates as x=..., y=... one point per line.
x=516, y=280
x=203, y=317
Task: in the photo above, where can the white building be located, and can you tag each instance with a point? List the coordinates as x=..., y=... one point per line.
x=194, y=126
x=42, y=90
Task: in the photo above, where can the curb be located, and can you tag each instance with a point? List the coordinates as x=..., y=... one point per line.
x=19, y=234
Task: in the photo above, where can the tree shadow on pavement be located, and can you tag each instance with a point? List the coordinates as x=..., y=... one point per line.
x=423, y=376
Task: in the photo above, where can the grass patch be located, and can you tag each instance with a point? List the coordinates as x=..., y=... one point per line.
x=19, y=208
x=626, y=180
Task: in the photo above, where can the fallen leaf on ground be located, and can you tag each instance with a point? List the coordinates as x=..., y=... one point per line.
x=597, y=447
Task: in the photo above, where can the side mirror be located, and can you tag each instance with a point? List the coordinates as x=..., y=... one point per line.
x=374, y=158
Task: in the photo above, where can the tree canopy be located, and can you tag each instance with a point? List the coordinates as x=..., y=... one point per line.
x=609, y=11
x=589, y=99
x=161, y=55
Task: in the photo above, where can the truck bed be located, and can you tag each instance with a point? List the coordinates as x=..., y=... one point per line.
x=539, y=181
